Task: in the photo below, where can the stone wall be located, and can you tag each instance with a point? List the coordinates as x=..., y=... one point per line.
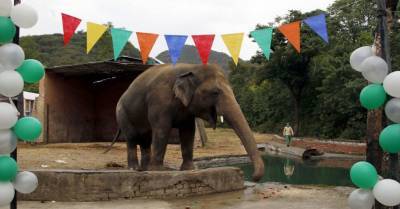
x=82, y=185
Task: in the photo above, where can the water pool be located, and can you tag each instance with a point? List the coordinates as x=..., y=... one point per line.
x=296, y=171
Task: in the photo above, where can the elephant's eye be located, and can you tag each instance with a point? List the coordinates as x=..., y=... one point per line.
x=215, y=92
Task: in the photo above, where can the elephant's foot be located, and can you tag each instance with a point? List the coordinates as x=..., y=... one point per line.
x=156, y=167
x=136, y=168
x=133, y=166
x=143, y=168
x=187, y=166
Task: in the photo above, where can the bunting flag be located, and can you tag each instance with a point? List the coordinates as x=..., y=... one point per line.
x=146, y=43
x=94, y=33
x=70, y=24
x=175, y=45
x=263, y=37
x=318, y=25
x=234, y=43
x=120, y=38
x=292, y=32
x=203, y=44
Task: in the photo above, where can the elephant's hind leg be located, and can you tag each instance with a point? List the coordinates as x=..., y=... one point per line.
x=131, y=143
x=133, y=162
x=145, y=150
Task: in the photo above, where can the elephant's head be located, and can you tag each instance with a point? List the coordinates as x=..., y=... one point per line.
x=204, y=90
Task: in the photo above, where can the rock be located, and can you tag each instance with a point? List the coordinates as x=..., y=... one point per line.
x=311, y=152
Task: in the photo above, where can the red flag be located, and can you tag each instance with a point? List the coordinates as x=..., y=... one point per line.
x=292, y=32
x=203, y=44
x=70, y=24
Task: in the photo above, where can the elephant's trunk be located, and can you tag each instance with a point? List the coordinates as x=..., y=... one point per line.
x=230, y=109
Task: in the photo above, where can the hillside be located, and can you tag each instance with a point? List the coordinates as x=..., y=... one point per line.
x=50, y=50
x=190, y=55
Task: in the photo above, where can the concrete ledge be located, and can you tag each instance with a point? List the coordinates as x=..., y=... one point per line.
x=95, y=185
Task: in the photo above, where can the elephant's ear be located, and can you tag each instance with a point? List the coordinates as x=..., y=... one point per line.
x=184, y=87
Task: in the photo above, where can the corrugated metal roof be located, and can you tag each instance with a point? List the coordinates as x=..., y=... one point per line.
x=124, y=65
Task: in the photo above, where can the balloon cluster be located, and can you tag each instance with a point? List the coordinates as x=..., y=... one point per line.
x=374, y=96
x=14, y=71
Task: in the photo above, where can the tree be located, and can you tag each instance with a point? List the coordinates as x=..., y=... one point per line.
x=288, y=66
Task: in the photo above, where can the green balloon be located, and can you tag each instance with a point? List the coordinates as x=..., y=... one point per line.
x=372, y=96
x=389, y=139
x=31, y=71
x=364, y=175
x=8, y=169
x=7, y=30
x=28, y=129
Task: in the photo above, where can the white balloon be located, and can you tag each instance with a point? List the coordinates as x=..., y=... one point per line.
x=24, y=15
x=25, y=182
x=5, y=7
x=392, y=110
x=374, y=69
x=11, y=56
x=391, y=84
x=8, y=116
x=361, y=199
x=11, y=83
x=8, y=142
x=7, y=193
x=359, y=55
x=387, y=192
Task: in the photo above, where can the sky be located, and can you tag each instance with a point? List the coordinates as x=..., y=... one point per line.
x=174, y=17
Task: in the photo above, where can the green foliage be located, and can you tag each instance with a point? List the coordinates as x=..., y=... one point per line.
x=319, y=79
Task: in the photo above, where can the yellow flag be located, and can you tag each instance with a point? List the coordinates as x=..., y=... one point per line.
x=94, y=33
x=234, y=43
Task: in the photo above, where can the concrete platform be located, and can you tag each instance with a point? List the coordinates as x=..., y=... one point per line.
x=101, y=185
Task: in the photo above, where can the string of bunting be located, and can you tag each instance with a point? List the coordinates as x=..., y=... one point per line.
x=203, y=43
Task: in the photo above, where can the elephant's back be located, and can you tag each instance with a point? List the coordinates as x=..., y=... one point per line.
x=136, y=93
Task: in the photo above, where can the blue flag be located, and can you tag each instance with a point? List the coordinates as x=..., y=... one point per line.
x=318, y=25
x=175, y=45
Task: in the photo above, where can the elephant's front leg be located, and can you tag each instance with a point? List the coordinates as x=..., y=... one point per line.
x=158, y=148
x=186, y=135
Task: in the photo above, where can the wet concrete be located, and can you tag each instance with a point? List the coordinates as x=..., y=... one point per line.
x=266, y=196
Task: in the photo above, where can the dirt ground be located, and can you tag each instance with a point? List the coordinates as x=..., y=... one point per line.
x=267, y=196
x=90, y=155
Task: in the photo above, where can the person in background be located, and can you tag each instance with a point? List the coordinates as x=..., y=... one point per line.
x=288, y=133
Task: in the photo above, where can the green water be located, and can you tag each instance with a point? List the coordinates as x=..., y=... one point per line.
x=296, y=171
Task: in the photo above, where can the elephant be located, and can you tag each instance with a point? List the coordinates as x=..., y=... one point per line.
x=171, y=96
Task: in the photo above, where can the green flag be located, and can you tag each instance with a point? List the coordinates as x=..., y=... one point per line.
x=263, y=37
x=120, y=38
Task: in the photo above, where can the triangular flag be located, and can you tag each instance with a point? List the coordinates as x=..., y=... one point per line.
x=70, y=24
x=263, y=37
x=203, y=44
x=234, y=43
x=318, y=25
x=175, y=45
x=120, y=38
x=146, y=43
x=94, y=33
x=292, y=32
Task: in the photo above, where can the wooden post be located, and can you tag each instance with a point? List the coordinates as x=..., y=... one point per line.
x=201, y=131
x=384, y=49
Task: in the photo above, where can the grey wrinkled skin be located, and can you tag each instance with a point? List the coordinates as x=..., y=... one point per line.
x=166, y=97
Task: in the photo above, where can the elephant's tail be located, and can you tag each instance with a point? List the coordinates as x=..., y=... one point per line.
x=113, y=142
